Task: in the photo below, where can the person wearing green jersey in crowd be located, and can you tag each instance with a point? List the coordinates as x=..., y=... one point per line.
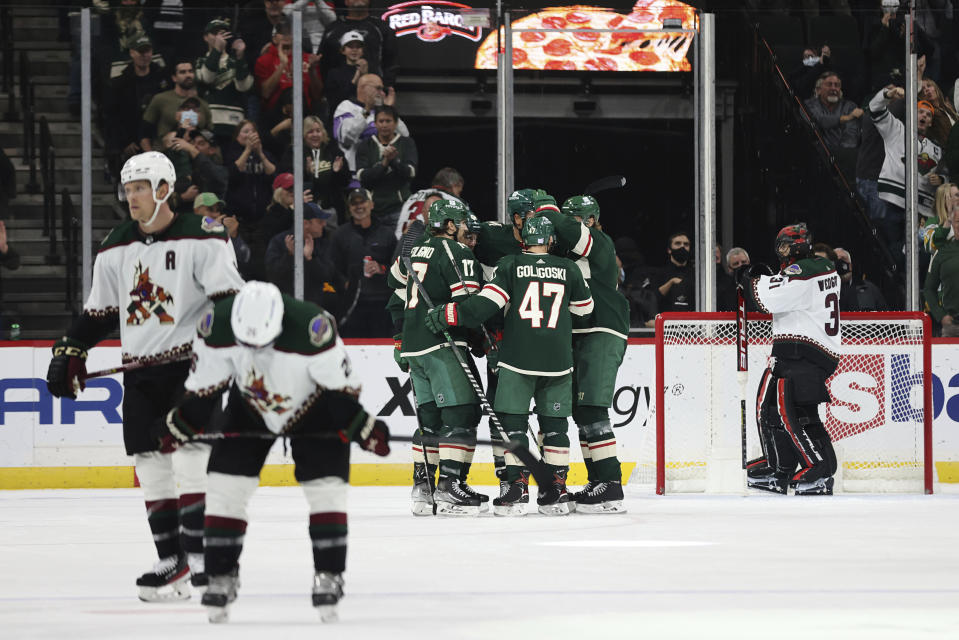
x=540, y=293
x=448, y=408
x=599, y=343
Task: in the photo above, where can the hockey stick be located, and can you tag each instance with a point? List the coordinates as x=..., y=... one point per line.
x=604, y=184
x=459, y=274
x=536, y=467
x=327, y=435
x=742, y=363
x=133, y=366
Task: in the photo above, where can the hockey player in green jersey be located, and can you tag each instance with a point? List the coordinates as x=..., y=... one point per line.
x=448, y=408
x=541, y=294
x=599, y=343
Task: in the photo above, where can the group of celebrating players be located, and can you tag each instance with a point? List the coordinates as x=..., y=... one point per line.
x=537, y=296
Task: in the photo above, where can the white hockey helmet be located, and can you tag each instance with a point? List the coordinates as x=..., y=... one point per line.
x=257, y=315
x=155, y=167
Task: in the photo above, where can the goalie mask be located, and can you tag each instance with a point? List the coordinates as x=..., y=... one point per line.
x=257, y=314
x=583, y=207
x=155, y=167
x=537, y=231
x=793, y=242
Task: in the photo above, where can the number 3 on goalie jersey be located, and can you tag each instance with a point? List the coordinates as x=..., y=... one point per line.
x=420, y=269
x=529, y=308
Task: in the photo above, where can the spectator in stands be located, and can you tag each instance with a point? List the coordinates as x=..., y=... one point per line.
x=224, y=77
x=277, y=217
x=274, y=69
x=119, y=28
x=945, y=115
x=386, y=165
x=885, y=46
x=856, y=293
x=726, y=296
x=174, y=33
x=258, y=18
x=837, y=120
x=814, y=64
x=448, y=184
x=936, y=228
x=9, y=259
x=941, y=291
x=322, y=282
x=339, y=83
x=353, y=119
x=252, y=170
x=676, y=281
x=892, y=176
x=325, y=172
x=210, y=205
x=160, y=116
x=126, y=102
x=362, y=251
x=207, y=172
x=317, y=14
x=379, y=41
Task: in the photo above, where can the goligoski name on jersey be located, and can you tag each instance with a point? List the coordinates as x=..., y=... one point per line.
x=159, y=284
x=271, y=379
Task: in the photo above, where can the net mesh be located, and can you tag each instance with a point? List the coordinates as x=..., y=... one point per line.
x=875, y=418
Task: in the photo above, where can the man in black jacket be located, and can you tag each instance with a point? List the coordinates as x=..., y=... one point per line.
x=379, y=41
x=362, y=252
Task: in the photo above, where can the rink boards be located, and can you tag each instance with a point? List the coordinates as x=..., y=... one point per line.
x=47, y=442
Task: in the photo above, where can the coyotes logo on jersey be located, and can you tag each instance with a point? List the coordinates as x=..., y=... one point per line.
x=263, y=399
x=148, y=299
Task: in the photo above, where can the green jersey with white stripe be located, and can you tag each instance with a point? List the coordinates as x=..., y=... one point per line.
x=432, y=265
x=543, y=293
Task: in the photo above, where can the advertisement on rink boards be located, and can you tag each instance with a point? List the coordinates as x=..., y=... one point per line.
x=38, y=430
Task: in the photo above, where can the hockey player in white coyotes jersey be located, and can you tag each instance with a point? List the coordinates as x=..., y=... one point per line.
x=803, y=299
x=288, y=373
x=154, y=274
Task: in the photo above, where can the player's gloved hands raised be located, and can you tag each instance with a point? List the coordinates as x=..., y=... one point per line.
x=439, y=319
x=372, y=435
x=748, y=272
x=401, y=362
x=542, y=199
x=67, y=369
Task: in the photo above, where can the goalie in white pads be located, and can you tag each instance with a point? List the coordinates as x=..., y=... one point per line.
x=154, y=274
x=288, y=373
x=803, y=299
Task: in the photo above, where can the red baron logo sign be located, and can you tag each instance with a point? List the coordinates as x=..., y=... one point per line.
x=430, y=21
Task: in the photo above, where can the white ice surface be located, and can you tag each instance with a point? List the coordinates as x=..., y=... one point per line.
x=675, y=567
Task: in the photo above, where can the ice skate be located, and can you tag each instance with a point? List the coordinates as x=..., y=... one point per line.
x=483, y=498
x=554, y=499
x=169, y=580
x=820, y=487
x=327, y=591
x=453, y=500
x=198, y=578
x=220, y=593
x=513, y=498
x=770, y=481
x=421, y=500
x=600, y=497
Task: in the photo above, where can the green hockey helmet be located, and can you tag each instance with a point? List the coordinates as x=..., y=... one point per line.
x=537, y=231
x=520, y=202
x=443, y=210
x=473, y=224
x=582, y=207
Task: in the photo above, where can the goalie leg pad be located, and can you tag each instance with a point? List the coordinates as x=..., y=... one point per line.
x=328, y=529
x=155, y=472
x=817, y=447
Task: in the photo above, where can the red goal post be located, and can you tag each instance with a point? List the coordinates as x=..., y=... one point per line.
x=880, y=419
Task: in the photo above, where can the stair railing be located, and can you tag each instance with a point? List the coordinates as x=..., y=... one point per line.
x=28, y=108
x=70, y=226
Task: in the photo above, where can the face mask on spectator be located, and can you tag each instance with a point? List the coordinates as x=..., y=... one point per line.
x=189, y=118
x=811, y=61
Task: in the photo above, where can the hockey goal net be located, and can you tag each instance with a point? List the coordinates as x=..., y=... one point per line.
x=880, y=417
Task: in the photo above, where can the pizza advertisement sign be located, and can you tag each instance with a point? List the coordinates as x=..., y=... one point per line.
x=449, y=35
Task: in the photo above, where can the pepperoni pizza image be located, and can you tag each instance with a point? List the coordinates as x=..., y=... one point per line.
x=588, y=49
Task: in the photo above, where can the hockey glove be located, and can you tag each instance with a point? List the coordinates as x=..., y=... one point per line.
x=544, y=201
x=401, y=362
x=372, y=435
x=171, y=431
x=748, y=272
x=439, y=319
x=67, y=369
